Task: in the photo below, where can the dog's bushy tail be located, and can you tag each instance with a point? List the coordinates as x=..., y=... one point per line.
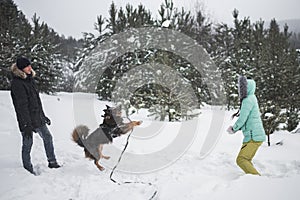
x=79, y=133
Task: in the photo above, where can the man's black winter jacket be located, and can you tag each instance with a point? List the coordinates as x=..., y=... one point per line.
x=26, y=100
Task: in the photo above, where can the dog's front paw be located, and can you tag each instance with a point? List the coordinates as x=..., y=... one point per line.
x=137, y=123
x=106, y=157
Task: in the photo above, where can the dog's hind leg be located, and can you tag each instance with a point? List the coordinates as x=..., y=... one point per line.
x=100, y=152
x=100, y=148
x=90, y=156
x=98, y=165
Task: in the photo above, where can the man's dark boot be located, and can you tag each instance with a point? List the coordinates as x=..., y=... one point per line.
x=30, y=169
x=54, y=165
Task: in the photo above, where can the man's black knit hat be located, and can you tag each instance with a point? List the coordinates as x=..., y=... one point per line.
x=22, y=62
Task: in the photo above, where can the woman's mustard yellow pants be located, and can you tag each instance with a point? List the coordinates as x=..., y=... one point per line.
x=245, y=156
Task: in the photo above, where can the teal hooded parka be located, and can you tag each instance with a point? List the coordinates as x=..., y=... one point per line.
x=249, y=120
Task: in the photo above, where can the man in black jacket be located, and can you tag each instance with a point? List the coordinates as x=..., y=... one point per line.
x=30, y=115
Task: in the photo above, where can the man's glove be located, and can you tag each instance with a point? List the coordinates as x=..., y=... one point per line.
x=47, y=121
x=28, y=132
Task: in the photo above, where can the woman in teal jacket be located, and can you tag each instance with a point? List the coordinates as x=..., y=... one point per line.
x=250, y=123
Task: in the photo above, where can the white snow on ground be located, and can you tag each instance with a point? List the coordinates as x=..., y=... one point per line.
x=189, y=177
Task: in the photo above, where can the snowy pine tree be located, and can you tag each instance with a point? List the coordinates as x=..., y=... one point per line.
x=221, y=52
x=15, y=34
x=232, y=54
x=266, y=56
x=50, y=53
x=277, y=63
x=45, y=57
x=123, y=19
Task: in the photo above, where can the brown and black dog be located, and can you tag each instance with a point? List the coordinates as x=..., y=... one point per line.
x=112, y=126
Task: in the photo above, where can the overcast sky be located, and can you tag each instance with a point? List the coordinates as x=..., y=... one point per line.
x=72, y=17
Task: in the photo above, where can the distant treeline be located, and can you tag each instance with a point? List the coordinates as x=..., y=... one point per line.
x=262, y=51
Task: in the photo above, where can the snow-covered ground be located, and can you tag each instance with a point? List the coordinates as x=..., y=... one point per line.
x=188, y=177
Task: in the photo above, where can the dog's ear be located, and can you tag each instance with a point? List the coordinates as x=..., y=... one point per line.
x=107, y=109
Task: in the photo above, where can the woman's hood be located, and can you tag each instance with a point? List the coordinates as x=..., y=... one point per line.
x=251, y=85
x=246, y=87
